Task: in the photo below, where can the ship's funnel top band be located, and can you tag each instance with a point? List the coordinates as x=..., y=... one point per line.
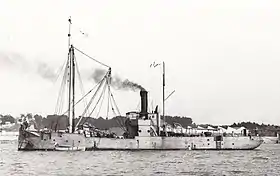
x=144, y=102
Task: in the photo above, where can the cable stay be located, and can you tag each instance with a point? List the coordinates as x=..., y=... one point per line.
x=91, y=58
x=91, y=100
x=60, y=99
x=119, y=121
x=81, y=84
x=61, y=69
x=85, y=95
x=103, y=97
x=108, y=103
x=102, y=93
x=112, y=101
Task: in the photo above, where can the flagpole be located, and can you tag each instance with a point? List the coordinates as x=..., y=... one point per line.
x=163, y=97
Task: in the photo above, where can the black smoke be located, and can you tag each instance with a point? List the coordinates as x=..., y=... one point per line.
x=125, y=84
x=116, y=81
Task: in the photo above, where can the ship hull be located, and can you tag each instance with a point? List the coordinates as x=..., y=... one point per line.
x=54, y=141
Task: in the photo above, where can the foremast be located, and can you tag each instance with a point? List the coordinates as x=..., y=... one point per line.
x=71, y=82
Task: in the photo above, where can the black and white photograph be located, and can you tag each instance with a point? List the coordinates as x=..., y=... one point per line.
x=139, y=88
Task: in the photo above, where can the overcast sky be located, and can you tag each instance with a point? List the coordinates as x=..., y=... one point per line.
x=222, y=57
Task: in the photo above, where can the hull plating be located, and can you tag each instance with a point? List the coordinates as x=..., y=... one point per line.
x=54, y=141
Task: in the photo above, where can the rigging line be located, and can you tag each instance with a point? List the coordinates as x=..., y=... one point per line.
x=111, y=94
x=85, y=95
x=90, y=102
x=62, y=97
x=99, y=99
x=64, y=81
x=108, y=105
x=100, y=83
x=101, y=103
x=116, y=116
x=62, y=86
x=91, y=57
x=81, y=82
x=115, y=103
x=122, y=126
x=60, y=70
x=121, y=123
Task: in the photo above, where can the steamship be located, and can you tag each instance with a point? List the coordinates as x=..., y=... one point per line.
x=143, y=130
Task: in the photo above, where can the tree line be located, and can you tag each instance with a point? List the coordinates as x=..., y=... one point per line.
x=61, y=122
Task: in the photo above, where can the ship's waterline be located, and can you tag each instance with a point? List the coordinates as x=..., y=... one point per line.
x=55, y=141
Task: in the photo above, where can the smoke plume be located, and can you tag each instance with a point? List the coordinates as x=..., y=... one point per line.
x=13, y=60
x=125, y=84
x=18, y=62
x=116, y=81
x=98, y=74
x=46, y=71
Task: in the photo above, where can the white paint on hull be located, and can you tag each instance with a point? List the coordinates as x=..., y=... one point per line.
x=139, y=143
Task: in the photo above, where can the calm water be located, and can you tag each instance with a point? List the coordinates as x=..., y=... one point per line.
x=262, y=161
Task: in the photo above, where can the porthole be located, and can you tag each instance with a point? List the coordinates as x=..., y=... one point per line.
x=148, y=131
x=207, y=139
x=208, y=144
x=66, y=141
x=139, y=131
x=79, y=141
x=53, y=139
x=232, y=143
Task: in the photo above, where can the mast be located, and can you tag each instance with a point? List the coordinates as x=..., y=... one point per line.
x=73, y=89
x=70, y=80
x=69, y=33
x=163, y=96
